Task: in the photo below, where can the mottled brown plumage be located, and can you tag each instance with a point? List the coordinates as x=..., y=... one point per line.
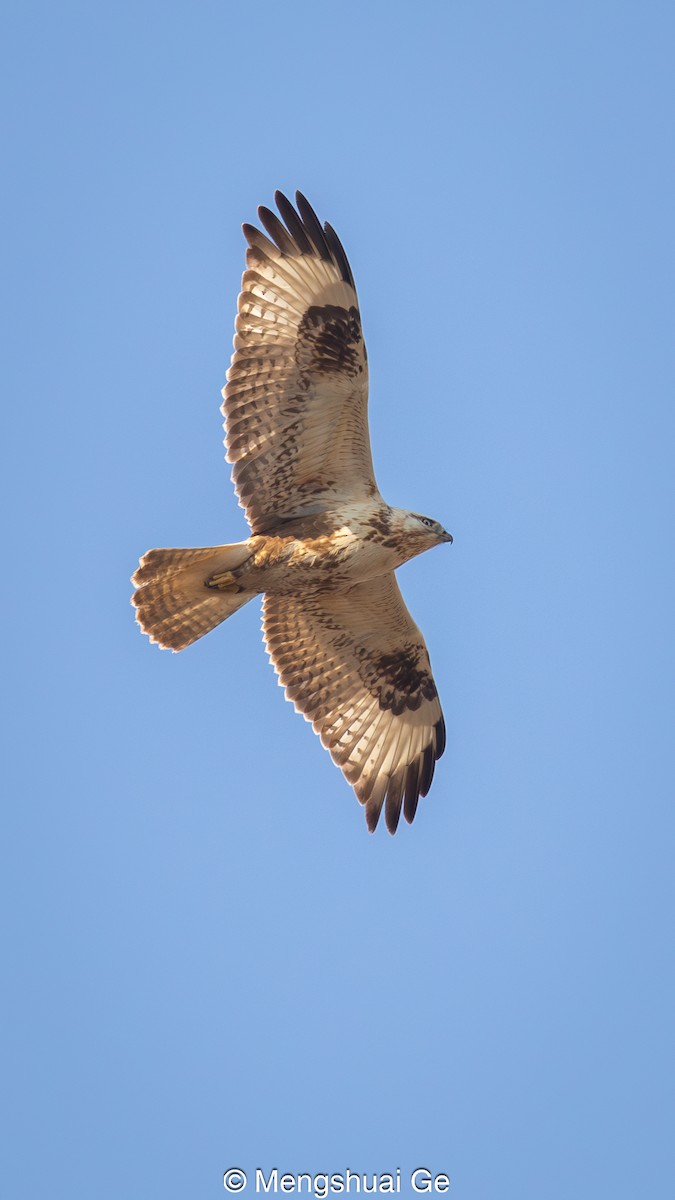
x=324, y=544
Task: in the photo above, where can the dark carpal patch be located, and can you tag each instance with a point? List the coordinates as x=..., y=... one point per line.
x=398, y=681
x=329, y=338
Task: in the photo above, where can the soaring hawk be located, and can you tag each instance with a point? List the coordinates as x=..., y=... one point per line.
x=324, y=544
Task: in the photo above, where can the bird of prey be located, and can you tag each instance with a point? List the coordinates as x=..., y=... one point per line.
x=324, y=544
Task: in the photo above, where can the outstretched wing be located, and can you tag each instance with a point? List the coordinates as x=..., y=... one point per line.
x=356, y=665
x=295, y=404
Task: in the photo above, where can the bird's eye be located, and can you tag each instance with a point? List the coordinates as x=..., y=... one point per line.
x=427, y=521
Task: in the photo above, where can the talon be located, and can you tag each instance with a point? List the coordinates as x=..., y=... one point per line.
x=224, y=582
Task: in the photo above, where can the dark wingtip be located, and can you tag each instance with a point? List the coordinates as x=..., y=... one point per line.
x=257, y=240
x=294, y=225
x=392, y=811
x=439, y=730
x=427, y=771
x=338, y=252
x=280, y=199
x=412, y=791
x=301, y=233
x=277, y=231
x=372, y=817
x=312, y=226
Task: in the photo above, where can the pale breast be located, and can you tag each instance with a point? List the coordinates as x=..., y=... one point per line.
x=347, y=554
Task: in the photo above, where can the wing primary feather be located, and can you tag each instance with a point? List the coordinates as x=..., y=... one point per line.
x=277, y=231
x=392, y=811
x=427, y=769
x=372, y=816
x=338, y=252
x=312, y=226
x=293, y=223
x=412, y=791
x=439, y=730
x=374, y=804
x=258, y=241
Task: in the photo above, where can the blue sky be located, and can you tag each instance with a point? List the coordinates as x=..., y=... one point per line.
x=210, y=963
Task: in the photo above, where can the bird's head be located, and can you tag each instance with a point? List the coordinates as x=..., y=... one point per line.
x=424, y=532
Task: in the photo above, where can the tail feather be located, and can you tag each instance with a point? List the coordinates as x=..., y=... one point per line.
x=174, y=604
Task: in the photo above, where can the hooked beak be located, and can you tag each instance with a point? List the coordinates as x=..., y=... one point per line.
x=447, y=537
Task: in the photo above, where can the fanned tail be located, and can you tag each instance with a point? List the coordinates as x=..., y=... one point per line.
x=175, y=604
